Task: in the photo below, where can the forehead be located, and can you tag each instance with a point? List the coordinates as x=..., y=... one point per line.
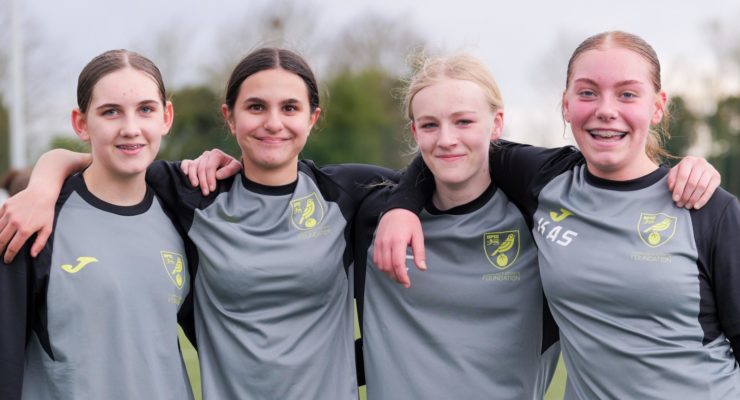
x=451, y=94
x=125, y=84
x=611, y=64
x=274, y=84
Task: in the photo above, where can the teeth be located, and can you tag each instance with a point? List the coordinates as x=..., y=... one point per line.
x=606, y=134
x=129, y=146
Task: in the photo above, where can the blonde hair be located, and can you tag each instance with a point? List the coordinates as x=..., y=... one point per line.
x=654, y=146
x=430, y=70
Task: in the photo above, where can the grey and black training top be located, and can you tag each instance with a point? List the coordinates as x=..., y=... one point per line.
x=273, y=294
x=98, y=307
x=474, y=325
x=646, y=294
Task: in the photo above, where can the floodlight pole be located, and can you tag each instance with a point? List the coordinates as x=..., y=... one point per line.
x=18, y=150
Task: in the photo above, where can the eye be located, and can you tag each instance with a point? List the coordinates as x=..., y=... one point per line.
x=109, y=112
x=428, y=125
x=255, y=107
x=147, y=109
x=290, y=108
x=586, y=93
x=464, y=122
x=629, y=95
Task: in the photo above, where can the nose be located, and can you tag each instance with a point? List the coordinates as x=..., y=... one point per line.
x=273, y=123
x=447, y=136
x=131, y=127
x=606, y=110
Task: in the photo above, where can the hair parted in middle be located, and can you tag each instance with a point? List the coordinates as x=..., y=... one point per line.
x=109, y=62
x=267, y=58
x=619, y=39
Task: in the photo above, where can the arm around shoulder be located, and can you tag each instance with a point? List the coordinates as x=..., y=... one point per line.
x=32, y=210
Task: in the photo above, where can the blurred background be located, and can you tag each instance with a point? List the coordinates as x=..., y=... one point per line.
x=360, y=51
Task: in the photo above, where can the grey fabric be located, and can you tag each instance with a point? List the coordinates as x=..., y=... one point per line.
x=112, y=317
x=620, y=268
x=471, y=326
x=273, y=301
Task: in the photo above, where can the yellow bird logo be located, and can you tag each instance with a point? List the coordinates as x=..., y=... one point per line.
x=505, y=246
x=654, y=237
x=307, y=212
x=654, y=233
x=173, y=264
x=501, y=253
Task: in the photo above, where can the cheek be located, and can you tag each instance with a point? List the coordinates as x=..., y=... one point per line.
x=244, y=123
x=425, y=142
x=299, y=127
x=579, y=113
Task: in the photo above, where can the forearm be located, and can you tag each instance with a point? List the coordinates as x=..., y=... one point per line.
x=54, y=166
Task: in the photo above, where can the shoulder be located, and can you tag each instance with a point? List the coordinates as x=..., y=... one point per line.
x=350, y=179
x=721, y=206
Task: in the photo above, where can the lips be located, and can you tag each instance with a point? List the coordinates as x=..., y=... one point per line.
x=272, y=140
x=449, y=157
x=606, y=134
x=130, y=149
x=129, y=146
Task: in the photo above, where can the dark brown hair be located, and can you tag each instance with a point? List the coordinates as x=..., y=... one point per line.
x=271, y=58
x=111, y=61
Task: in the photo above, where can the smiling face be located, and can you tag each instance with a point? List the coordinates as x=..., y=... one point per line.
x=611, y=104
x=271, y=120
x=453, y=124
x=124, y=123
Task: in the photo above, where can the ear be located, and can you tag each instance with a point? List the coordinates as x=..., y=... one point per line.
x=498, y=125
x=313, y=118
x=228, y=118
x=660, y=102
x=79, y=124
x=413, y=131
x=169, y=116
x=564, y=108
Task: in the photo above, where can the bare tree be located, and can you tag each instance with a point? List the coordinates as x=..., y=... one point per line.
x=374, y=41
x=280, y=23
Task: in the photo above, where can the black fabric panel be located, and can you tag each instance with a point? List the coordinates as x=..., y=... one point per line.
x=716, y=231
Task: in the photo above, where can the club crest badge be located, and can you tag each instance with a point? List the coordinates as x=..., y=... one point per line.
x=307, y=212
x=173, y=264
x=656, y=229
x=501, y=248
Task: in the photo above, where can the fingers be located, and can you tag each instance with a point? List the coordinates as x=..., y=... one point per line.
x=677, y=178
x=417, y=247
x=398, y=264
x=212, y=165
x=233, y=167
x=710, y=183
x=693, y=182
x=15, y=245
x=41, y=239
x=6, y=235
x=189, y=168
x=203, y=172
x=396, y=231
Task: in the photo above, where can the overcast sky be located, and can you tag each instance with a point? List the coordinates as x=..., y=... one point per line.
x=515, y=38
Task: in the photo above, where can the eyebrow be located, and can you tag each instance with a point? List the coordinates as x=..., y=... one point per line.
x=620, y=83
x=259, y=100
x=112, y=105
x=454, y=114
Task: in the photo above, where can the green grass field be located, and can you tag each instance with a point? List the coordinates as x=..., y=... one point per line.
x=555, y=392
